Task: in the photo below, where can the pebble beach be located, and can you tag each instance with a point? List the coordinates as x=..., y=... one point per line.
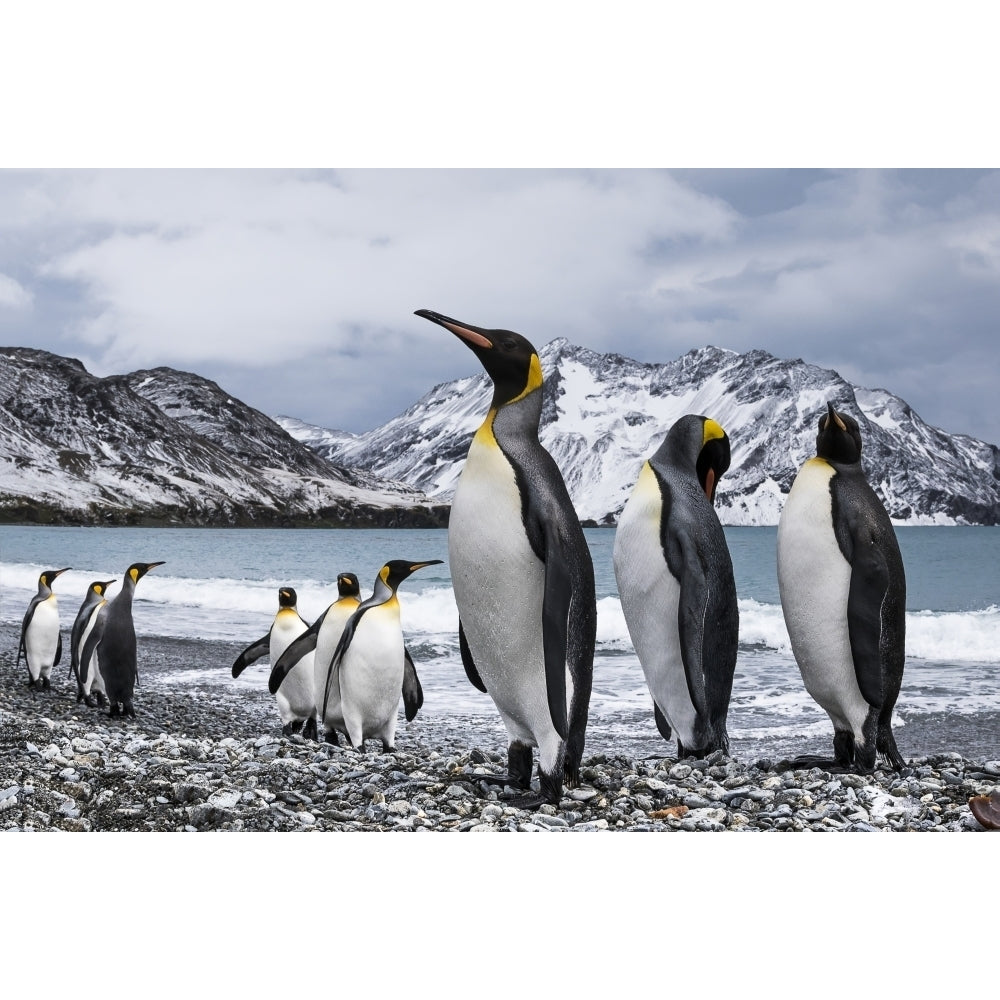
x=214, y=759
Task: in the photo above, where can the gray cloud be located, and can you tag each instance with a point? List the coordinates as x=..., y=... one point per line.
x=295, y=289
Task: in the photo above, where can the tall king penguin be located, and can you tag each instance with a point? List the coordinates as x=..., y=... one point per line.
x=113, y=637
x=371, y=668
x=522, y=573
x=843, y=594
x=86, y=618
x=296, y=699
x=41, y=637
x=675, y=580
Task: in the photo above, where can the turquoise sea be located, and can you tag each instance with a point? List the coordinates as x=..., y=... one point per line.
x=220, y=585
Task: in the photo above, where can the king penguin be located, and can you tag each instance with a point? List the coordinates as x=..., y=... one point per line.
x=41, y=637
x=522, y=574
x=86, y=618
x=678, y=593
x=843, y=595
x=368, y=672
x=113, y=638
x=296, y=699
x=323, y=636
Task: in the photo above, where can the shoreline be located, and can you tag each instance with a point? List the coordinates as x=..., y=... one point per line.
x=210, y=757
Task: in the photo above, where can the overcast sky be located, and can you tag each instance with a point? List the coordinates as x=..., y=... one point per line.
x=295, y=291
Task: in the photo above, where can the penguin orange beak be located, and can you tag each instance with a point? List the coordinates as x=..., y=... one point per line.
x=832, y=414
x=430, y=562
x=710, y=483
x=470, y=334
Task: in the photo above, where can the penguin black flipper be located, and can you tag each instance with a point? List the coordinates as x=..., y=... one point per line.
x=294, y=652
x=467, y=661
x=413, y=693
x=857, y=538
x=22, y=649
x=55, y=662
x=555, y=619
x=96, y=634
x=251, y=654
x=661, y=723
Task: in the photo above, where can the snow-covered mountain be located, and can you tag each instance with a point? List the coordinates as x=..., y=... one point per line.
x=604, y=414
x=163, y=446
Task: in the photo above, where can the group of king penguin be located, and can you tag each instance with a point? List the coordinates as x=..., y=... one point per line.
x=102, y=641
x=524, y=586
x=348, y=670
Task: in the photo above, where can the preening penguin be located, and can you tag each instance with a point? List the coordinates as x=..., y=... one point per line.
x=296, y=699
x=113, y=637
x=843, y=594
x=675, y=580
x=86, y=619
x=320, y=640
x=522, y=573
x=41, y=637
x=370, y=665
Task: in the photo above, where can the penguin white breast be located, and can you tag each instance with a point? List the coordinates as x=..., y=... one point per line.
x=499, y=586
x=650, y=596
x=371, y=673
x=814, y=581
x=296, y=696
x=42, y=636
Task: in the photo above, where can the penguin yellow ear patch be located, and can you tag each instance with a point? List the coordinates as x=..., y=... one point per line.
x=711, y=431
x=535, y=378
x=134, y=573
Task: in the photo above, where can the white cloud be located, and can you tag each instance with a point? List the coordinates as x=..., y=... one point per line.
x=13, y=295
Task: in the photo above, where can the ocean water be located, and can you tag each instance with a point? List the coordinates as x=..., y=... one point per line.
x=221, y=585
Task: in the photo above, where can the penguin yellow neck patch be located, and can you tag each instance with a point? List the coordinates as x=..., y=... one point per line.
x=535, y=379
x=134, y=573
x=712, y=430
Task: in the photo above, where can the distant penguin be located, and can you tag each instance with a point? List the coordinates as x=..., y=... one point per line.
x=675, y=580
x=41, y=637
x=113, y=637
x=296, y=698
x=369, y=666
x=86, y=618
x=522, y=573
x=323, y=636
x=843, y=594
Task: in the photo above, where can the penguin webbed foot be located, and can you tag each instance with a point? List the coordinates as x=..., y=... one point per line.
x=806, y=762
x=309, y=730
x=530, y=803
x=549, y=793
x=331, y=738
x=101, y=700
x=89, y=701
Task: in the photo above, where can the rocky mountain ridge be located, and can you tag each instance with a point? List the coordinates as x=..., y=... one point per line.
x=604, y=414
x=168, y=447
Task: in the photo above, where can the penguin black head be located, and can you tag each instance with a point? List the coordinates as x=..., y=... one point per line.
x=138, y=570
x=713, y=458
x=700, y=444
x=101, y=586
x=509, y=359
x=394, y=572
x=286, y=597
x=839, y=439
x=347, y=585
x=49, y=576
